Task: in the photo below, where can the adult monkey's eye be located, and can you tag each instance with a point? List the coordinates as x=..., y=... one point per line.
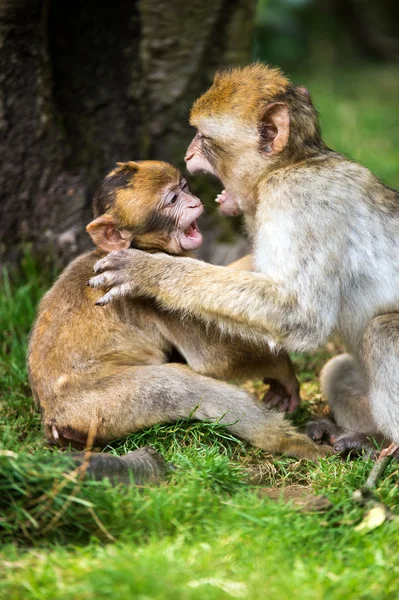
x=171, y=198
x=184, y=185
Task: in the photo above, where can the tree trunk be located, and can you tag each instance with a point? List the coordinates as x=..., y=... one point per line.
x=86, y=84
x=372, y=26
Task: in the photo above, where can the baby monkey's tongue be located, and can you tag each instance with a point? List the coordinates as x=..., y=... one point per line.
x=192, y=237
x=192, y=230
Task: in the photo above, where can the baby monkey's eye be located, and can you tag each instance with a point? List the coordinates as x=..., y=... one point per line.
x=184, y=185
x=171, y=198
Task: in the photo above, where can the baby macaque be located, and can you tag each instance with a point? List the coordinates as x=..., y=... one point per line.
x=107, y=371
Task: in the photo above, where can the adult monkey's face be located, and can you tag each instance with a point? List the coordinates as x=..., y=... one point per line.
x=203, y=155
x=251, y=120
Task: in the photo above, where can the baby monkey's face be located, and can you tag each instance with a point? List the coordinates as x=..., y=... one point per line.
x=149, y=206
x=171, y=221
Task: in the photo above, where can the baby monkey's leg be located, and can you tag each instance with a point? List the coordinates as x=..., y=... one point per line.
x=143, y=396
x=231, y=358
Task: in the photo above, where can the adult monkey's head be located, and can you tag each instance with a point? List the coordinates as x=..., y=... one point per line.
x=146, y=205
x=251, y=120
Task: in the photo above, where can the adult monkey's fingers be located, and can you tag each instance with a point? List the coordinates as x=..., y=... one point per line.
x=103, y=263
x=107, y=279
x=100, y=281
x=118, y=291
x=121, y=259
x=106, y=299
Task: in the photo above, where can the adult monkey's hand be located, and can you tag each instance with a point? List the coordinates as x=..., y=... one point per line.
x=123, y=272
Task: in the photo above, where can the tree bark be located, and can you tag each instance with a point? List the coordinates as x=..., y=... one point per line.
x=86, y=84
x=371, y=24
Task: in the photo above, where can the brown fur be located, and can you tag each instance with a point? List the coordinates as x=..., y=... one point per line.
x=246, y=91
x=243, y=264
x=106, y=369
x=325, y=235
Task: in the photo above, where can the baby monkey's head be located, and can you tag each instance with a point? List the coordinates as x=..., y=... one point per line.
x=145, y=205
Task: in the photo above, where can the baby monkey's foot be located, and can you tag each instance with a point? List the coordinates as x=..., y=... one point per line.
x=343, y=442
x=280, y=398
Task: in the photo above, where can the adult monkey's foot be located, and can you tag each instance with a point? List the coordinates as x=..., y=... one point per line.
x=343, y=442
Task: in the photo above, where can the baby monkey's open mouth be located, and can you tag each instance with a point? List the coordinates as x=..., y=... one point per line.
x=192, y=230
x=192, y=237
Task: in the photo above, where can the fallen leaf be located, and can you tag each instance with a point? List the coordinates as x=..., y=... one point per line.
x=375, y=517
x=236, y=589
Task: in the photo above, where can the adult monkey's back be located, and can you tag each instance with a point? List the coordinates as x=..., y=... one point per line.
x=325, y=236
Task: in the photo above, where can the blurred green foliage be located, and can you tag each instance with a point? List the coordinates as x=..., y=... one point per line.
x=359, y=114
x=357, y=98
x=280, y=36
x=303, y=34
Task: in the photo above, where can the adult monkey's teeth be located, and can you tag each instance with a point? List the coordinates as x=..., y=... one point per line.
x=221, y=197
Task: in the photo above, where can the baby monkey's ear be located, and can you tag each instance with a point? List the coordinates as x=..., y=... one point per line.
x=106, y=236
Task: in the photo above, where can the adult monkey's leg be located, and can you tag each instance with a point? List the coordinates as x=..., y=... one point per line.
x=353, y=429
x=380, y=357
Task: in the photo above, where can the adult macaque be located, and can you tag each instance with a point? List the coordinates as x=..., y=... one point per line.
x=105, y=371
x=325, y=237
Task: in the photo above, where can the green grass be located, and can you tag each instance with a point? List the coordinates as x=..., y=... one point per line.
x=359, y=114
x=205, y=533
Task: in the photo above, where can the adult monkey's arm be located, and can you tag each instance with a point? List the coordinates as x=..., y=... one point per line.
x=247, y=304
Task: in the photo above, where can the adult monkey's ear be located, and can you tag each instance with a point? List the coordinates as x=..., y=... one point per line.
x=274, y=128
x=304, y=92
x=106, y=236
